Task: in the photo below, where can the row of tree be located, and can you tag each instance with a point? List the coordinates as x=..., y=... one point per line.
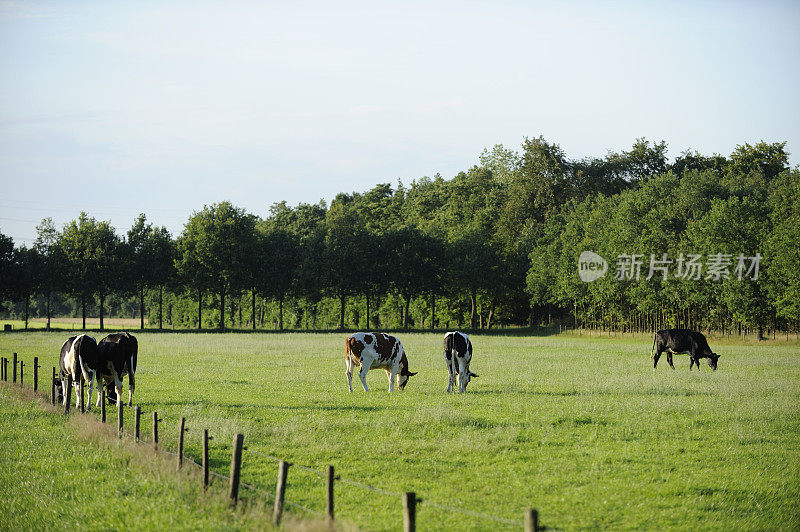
x=497, y=244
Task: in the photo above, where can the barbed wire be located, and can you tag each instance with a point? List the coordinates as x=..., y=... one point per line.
x=512, y=522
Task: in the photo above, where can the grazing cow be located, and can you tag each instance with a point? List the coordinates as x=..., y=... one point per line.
x=675, y=341
x=78, y=361
x=118, y=355
x=376, y=350
x=457, y=356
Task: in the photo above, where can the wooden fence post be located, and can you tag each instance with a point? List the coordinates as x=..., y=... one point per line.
x=181, y=430
x=53, y=388
x=83, y=404
x=14, y=371
x=68, y=393
x=236, y=464
x=103, y=405
x=331, y=479
x=155, y=431
x=205, y=459
x=136, y=419
x=531, y=520
x=2, y=369
x=119, y=417
x=21, y=372
x=280, y=493
x=36, y=374
x=409, y=512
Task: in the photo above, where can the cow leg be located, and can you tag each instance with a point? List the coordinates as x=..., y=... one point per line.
x=66, y=383
x=349, y=372
x=392, y=377
x=448, y=359
x=118, y=386
x=362, y=374
x=691, y=363
x=131, y=383
x=669, y=359
x=656, y=356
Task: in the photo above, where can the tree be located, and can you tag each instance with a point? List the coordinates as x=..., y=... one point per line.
x=150, y=262
x=91, y=254
x=216, y=250
x=49, y=276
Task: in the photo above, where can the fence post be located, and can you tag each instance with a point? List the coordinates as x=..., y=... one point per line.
x=2, y=368
x=236, y=464
x=83, y=404
x=103, y=405
x=35, y=374
x=331, y=479
x=14, y=372
x=531, y=520
x=205, y=459
x=280, y=493
x=53, y=388
x=137, y=417
x=68, y=393
x=409, y=512
x=181, y=430
x=155, y=431
x=21, y=372
x=119, y=417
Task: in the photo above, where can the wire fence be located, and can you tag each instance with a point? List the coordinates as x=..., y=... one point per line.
x=531, y=517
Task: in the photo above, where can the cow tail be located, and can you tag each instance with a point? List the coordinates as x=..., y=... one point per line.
x=348, y=351
x=653, y=351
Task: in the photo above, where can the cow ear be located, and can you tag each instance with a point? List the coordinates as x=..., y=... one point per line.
x=473, y=374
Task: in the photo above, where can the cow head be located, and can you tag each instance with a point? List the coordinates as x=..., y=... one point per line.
x=403, y=376
x=463, y=380
x=712, y=361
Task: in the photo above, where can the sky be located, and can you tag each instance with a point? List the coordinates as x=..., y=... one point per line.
x=121, y=108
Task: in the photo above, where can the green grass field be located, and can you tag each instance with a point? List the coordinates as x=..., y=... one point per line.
x=580, y=428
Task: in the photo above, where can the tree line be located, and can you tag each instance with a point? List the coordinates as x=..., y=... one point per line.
x=498, y=244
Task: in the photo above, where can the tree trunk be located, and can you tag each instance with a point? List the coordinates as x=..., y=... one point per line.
x=199, y=309
x=221, y=309
x=280, y=313
x=102, y=304
x=83, y=310
x=433, y=310
x=491, y=315
x=27, y=309
x=473, y=316
x=253, y=295
x=342, y=301
x=405, y=313
x=49, y=295
x=367, y=295
x=141, y=308
x=160, y=306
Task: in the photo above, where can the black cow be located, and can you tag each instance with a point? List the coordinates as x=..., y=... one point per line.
x=675, y=341
x=457, y=356
x=119, y=353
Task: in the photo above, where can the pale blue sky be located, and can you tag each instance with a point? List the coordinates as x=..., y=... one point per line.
x=161, y=107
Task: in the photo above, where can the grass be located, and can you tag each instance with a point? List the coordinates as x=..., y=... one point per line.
x=580, y=428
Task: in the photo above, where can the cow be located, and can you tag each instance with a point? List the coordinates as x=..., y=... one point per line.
x=457, y=356
x=78, y=362
x=675, y=341
x=376, y=350
x=118, y=354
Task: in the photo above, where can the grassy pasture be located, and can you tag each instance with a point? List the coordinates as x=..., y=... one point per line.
x=581, y=428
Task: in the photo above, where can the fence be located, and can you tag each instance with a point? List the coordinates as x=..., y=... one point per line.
x=408, y=500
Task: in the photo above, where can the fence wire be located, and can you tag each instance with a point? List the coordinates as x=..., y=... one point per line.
x=309, y=469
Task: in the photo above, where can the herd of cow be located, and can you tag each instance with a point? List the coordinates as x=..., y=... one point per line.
x=107, y=362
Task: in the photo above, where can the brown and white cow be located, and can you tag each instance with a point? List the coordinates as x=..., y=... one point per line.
x=376, y=350
x=457, y=356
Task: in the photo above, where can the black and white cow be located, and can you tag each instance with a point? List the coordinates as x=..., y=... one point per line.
x=118, y=356
x=674, y=341
x=78, y=361
x=376, y=350
x=457, y=356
